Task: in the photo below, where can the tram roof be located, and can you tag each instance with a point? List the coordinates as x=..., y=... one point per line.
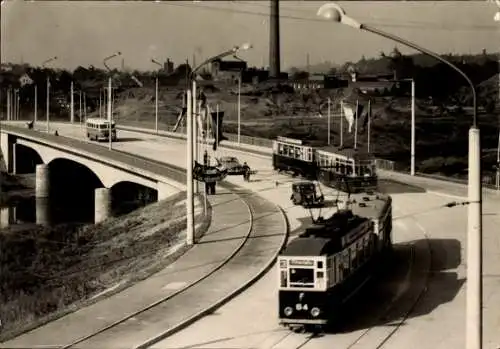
x=372, y=206
x=352, y=153
x=306, y=246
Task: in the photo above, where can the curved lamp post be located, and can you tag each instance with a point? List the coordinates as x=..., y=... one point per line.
x=191, y=136
x=110, y=95
x=156, y=94
x=335, y=13
x=48, y=93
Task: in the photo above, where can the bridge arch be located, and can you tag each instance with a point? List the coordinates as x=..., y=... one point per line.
x=72, y=187
x=128, y=196
x=26, y=158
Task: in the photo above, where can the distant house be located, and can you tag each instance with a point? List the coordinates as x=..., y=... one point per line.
x=373, y=84
x=334, y=81
x=313, y=82
x=228, y=71
x=168, y=66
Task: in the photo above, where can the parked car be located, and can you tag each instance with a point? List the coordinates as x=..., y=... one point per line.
x=305, y=193
x=231, y=164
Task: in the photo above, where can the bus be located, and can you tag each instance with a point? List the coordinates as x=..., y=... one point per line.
x=98, y=129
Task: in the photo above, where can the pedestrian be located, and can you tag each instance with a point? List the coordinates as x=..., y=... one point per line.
x=246, y=172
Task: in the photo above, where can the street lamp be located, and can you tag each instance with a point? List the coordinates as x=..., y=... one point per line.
x=48, y=92
x=191, y=131
x=110, y=96
x=156, y=94
x=335, y=13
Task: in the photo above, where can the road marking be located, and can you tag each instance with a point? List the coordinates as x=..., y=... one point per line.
x=400, y=224
x=174, y=285
x=456, y=197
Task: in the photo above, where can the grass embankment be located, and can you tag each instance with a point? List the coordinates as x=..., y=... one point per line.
x=48, y=272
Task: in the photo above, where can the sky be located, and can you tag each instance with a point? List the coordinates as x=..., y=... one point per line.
x=84, y=32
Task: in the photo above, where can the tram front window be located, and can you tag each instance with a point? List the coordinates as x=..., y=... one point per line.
x=365, y=170
x=302, y=275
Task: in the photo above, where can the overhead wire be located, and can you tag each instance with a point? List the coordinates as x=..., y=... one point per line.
x=408, y=24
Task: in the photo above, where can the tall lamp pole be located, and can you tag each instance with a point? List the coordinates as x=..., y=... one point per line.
x=412, y=152
x=110, y=97
x=156, y=94
x=497, y=181
x=190, y=100
x=47, y=111
x=335, y=13
x=239, y=107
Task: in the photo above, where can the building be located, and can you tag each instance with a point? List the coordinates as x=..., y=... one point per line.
x=168, y=66
x=228, y=71
x=373, y=84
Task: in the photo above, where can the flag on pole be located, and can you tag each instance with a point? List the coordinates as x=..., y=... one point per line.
x=25, y=79
x=367, y=116
x=351, y=113
x=216, y=125
x=137, y=81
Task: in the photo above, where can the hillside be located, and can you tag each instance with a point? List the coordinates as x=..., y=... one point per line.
x=266, y=112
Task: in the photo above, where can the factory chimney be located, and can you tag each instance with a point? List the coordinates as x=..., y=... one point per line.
x=274, y=40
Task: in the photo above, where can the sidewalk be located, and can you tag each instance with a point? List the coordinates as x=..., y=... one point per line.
x=231, y=222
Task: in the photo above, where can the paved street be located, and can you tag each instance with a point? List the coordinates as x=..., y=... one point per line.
x=435, y=233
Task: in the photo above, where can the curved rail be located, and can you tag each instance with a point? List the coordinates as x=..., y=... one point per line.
x=219, y=303
x=169, y=297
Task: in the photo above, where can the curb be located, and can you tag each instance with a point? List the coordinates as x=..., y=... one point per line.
x=226, y=298
x=152, y=305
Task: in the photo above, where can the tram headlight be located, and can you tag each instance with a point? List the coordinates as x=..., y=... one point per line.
x=315, y=312
x=288, y=311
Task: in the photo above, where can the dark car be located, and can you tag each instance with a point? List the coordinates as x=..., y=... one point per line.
x=305, y=193
x=231, y=164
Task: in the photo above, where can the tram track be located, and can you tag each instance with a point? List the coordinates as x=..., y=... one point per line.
x=170, y=297
x=417, y=297
x=406, y=298
x=392, y=304
x=263, y=218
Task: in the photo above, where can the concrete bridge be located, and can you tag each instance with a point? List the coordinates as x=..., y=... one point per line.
x=83, y=174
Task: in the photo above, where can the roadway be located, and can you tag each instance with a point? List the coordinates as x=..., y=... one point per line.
x=421, y=304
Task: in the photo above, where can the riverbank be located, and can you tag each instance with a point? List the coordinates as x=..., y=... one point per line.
x=48, y=272
x=15, y=188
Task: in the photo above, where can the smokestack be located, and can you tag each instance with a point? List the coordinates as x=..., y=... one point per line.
x=274, y=40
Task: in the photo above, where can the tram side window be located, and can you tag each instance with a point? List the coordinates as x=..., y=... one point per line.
x=281, y=149
x=309, y=155
x=298, y=153
x=348, y=169
x=346, y=264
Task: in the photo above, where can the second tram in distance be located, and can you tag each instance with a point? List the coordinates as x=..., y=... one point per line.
x=326, y=164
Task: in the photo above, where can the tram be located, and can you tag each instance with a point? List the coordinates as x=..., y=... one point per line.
x=329, y=263
x=326, y=164
x=295, y=156
x=357, y=168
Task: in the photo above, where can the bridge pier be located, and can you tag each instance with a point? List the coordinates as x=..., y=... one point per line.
x=42, y=181
x=42, y=188
x=102, y=204
x=14, y=158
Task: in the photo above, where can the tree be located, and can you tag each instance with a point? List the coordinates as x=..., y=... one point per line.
x=300, y=75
